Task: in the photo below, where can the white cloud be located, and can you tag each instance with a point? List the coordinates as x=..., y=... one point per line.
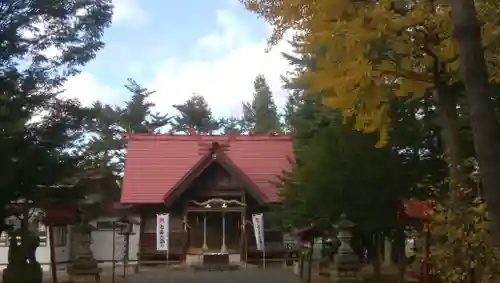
x=129, y=12
x=229, y=32
x=225, y=82
x=88, y=89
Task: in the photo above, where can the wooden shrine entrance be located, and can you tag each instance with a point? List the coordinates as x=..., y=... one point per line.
x=216, y=231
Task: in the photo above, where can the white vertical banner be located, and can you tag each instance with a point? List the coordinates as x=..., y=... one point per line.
x=258, y=229
x=162, y=231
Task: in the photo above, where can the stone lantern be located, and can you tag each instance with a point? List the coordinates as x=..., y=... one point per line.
x=346, y=263
x=84, y=268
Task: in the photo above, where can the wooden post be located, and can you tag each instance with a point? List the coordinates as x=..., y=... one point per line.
x=426, y=253
x=113, y=250
x=141, y=238
x=204, y=247
x=53, y=265
x=185, y=233
x=223, y=247
x=245, y=238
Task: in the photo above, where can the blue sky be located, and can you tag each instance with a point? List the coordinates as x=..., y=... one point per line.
x=214, y=48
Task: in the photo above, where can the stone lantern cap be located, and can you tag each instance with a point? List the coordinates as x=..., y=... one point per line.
x=344, y=223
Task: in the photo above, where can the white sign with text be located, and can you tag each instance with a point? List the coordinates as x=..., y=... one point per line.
x=162, y=231
x=258, y=228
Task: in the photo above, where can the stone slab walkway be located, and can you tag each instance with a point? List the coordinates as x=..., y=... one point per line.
x=167, y=275
x=190, y=276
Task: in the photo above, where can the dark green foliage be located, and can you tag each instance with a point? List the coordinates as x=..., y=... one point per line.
x=36, y=127
x=232, y=125
x=261, y=114
x=339, y=170
x=136, y=116
x=195, y=114
x=108, y=123
x=28, y=29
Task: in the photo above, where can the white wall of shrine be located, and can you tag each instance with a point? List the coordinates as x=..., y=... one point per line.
x=102, y=245
x=102, y=242
x=61, y=242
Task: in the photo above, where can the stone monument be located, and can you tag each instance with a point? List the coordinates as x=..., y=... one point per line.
x=22, y=266
x=346, y=263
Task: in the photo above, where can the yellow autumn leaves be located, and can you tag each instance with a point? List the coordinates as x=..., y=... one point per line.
x=461, y=240
x=368, y=51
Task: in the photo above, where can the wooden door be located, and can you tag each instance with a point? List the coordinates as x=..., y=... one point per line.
x=214, y=231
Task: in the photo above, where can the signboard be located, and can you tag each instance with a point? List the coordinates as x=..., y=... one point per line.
x=289, y=242
x=119, y=247
x=162, y=231
x=258, y=228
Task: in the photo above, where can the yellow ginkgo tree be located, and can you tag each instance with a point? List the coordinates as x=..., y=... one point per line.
x=462, y=249
x=366, y=52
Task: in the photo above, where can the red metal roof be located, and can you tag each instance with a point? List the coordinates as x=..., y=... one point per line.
x=417, y=209
x=156, y=163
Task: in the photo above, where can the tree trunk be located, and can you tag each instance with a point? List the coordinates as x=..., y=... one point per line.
x=485, y=127
x=399, y=246
x=376, y=262
x=446, y=104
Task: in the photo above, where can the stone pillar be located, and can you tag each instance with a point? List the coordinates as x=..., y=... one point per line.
x=387, y=251
x=223, y=248
x=84, y=269
x=204, y=247
x=346, y=263
x=388, y=265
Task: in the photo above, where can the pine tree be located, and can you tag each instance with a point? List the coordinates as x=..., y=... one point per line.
x=195, y=114
x=232, y=124
x=105, y=148
x=261, y=114
x=37, y=128
x=136, y=116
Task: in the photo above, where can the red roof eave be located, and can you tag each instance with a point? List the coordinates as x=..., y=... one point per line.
x=196, y=169
x=244, y=177
x=204, y=162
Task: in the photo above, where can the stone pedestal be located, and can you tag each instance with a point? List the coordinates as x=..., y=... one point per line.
x=194, y=259
x=234, y=258
x=25, y=273
x=296, y=267
x=22, y=266
x=89, y=275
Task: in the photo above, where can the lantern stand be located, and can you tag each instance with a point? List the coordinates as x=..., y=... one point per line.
x=305, y=237
x=85, y=267
x=421, y=211
x=126, y=229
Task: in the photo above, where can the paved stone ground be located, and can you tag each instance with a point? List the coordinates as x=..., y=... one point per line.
x=274, y=275
x=164, y=275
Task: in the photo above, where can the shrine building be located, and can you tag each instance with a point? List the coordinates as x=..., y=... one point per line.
x=210, y=185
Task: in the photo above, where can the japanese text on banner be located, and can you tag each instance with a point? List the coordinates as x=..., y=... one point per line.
x=258, y=228
x=162, y=231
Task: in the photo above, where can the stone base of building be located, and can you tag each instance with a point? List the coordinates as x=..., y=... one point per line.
x=213, y=258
